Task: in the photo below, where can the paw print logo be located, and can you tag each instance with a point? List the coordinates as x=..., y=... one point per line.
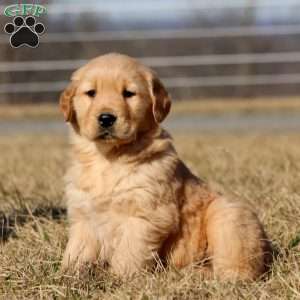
x=24, y=32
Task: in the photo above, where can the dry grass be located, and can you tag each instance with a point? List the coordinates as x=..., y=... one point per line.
x=264, y=170
x=197, y=106
x=32, y=111
x=239, y=106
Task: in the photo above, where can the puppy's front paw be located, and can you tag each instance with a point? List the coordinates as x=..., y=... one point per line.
x=82, y=248
x=78, y=256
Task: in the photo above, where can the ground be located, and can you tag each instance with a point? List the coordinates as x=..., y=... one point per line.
x=261, y=168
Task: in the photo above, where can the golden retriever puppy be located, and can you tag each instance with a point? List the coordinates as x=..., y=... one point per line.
x=131, y=200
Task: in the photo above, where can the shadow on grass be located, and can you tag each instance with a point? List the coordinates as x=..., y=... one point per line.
x=8, y=223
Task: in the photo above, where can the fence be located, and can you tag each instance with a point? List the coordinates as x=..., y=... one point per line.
x=239, y=60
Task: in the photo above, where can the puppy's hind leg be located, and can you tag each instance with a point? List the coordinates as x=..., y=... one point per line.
x=237, y=244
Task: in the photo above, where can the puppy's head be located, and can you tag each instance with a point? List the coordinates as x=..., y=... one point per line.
x=113, y=99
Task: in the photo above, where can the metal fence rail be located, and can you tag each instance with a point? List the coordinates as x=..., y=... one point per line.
x=187, y=5
x=158, y=62
x=166, y=34
x=173, y=82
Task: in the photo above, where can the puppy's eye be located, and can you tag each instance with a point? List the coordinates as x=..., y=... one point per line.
x=128, y=94
x=91, y=93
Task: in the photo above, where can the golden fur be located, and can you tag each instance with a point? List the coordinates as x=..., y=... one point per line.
x=131, y=199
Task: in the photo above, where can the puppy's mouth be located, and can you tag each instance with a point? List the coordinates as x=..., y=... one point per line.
x=106, y=135
x=110, y=136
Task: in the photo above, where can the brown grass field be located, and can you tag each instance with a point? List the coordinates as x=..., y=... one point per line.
x=263, y=169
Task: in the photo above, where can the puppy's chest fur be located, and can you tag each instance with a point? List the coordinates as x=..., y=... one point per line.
x=109, y=196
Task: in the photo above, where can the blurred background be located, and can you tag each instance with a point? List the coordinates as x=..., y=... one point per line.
x=204, y=51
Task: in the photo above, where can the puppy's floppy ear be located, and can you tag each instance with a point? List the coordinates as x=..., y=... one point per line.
x=66, y=102
x=161, y=102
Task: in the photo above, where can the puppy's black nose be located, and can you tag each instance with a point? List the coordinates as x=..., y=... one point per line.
x=106, y=120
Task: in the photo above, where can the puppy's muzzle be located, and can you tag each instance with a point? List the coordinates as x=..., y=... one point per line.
x=106, y=120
